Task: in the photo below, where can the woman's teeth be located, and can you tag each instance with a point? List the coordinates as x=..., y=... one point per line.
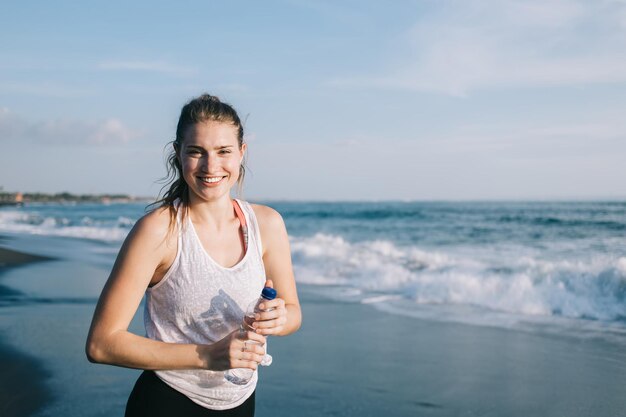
x=211, y=179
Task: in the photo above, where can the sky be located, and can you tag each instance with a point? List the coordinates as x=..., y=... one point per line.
x=342, y=100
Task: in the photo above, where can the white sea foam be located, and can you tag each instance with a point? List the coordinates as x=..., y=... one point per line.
x=86, y=228
x=593, y=288
x=565, y=278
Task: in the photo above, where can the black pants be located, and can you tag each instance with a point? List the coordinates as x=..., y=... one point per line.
x=154, y=398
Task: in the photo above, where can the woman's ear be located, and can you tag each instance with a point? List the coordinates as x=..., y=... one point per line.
x=244, y=147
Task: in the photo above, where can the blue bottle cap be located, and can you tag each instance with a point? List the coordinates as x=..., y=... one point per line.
x=268, y=293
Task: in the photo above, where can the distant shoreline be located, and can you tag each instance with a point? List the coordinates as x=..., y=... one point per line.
x=19, y=199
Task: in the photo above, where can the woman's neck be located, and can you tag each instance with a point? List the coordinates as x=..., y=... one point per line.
x=215, y=214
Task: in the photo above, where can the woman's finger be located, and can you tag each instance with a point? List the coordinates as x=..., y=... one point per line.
x=267, y=315
x=254, y=337
x=243, y=363
x=246, y=354
x=274, y=304
x=251, y=352
x=271, y=319
x=267, y=324
x=252, y=347
x=269, y=331
x=279, y=311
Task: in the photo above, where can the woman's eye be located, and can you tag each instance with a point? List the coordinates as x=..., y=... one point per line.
x=224, y=151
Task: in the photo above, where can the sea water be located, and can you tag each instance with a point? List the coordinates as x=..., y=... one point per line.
x=533, y=267
x=485, y=263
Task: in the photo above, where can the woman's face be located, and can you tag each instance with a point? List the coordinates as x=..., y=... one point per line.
x=210, y=157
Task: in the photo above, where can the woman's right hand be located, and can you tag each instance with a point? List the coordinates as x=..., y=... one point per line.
x=239, y=349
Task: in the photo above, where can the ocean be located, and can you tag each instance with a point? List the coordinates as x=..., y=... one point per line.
x=551, y=265
x=410, y=308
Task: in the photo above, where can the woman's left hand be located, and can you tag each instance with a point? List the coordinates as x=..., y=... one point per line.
x=273, y=321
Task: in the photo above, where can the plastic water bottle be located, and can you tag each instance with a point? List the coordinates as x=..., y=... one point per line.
x=241, y=376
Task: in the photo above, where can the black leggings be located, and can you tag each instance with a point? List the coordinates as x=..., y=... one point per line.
x=153, y=397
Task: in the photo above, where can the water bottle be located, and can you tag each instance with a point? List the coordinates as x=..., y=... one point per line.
x=241, y=376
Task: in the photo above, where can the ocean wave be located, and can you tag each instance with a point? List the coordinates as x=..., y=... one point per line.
x=557, y=222
x=352, y=211
x=80, y=228
x=523, y=284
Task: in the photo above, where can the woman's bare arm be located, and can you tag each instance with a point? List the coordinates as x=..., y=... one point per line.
x=287, y=317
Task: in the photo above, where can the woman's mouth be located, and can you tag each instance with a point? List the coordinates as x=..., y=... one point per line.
x=210, y=180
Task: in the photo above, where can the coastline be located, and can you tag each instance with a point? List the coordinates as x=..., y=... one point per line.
x=351, y=360
x=10, y=258
x=24, y=374
x=348, y=358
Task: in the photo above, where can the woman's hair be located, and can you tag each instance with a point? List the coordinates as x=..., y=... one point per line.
x=205, y=108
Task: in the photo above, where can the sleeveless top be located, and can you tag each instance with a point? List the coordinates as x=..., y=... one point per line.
x=200, y=301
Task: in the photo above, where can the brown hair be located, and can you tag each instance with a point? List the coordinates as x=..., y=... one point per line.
x=205, y=108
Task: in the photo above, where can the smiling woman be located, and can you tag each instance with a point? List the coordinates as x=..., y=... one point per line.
x=197, y=115
x=201, y=258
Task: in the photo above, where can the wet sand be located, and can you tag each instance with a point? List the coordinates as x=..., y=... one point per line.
x=351, y=360
x=12, y=258
x=347, y=360
x=22, y=380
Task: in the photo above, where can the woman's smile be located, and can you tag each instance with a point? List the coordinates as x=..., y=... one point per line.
x=211, y=181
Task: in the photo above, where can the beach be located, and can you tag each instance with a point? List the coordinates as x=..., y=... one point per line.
x=348, y=359
x=361, y=351
x=23, y=377
x=442, y=179
x=388, y=365
x=48, y=324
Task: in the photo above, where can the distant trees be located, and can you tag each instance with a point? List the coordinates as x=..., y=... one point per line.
x=17, y=198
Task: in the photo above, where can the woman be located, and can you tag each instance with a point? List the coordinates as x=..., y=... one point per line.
x=200, y=258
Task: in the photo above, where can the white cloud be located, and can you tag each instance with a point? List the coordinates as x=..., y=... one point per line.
x=111, y=130
x=64, y=131
x=468, y=46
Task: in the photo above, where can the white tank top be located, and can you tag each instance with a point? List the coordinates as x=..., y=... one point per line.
x=200, y=301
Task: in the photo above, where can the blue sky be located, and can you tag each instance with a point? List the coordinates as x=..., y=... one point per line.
x=365, y=100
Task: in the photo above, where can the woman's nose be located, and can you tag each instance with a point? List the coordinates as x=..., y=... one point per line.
x=210, y=162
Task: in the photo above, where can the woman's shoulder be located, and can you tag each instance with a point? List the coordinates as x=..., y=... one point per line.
x=271, y=226
x=157, y=217
x=156, y=225
x=267, y=216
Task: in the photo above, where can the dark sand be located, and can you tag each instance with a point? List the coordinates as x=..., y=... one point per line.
x=351, y=360
x=347, y=360
x=22, y=379
x=23, y=383
x=9, y=257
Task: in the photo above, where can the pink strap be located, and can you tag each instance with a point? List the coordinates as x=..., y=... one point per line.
x=240, y=216
x=242, y=221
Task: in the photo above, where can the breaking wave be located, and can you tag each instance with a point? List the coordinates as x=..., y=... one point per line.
x=379, y=271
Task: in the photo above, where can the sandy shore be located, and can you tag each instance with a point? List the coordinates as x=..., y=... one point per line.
x=351, y=360
x=22, y=379
x=10, y=257
x=348, y=359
